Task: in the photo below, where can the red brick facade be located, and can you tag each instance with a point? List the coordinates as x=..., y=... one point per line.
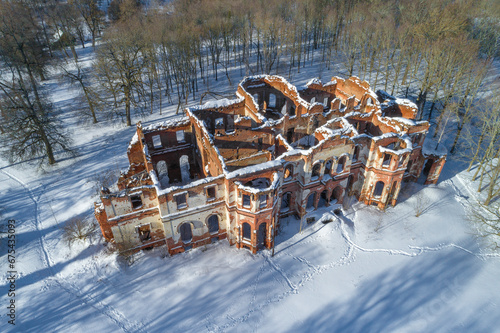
x=232, y=168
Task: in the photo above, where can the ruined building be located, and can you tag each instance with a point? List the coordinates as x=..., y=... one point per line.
x=233, y=168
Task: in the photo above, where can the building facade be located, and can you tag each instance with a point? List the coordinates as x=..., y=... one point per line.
x=232, y=168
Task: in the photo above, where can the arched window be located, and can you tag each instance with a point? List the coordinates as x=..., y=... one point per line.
x=213, y=224
x=272, y=100
x=313, y=100
x=184, y=165
x=310, y=201
x=161, y=169
x=379, y=188
x=341, y=164
x=369, y=101
x=186, y=232
x=315, y=171
x=285, y=201
x=291, y=110
x=247, y=231
x=288, y=172
x=355, y=155
x=328, y=167
x=336, y=195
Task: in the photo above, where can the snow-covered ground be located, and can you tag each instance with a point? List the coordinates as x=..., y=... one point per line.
x=368, y=271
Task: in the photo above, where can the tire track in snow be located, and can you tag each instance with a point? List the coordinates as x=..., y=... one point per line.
x=114, y=315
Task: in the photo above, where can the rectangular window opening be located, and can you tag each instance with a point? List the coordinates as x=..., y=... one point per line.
x=157, y=141
x=180, y=136
x=210, y=193
x=144, y=232
x=180, y=199
x=246, y=200
x=262, y=201
x=136, y=201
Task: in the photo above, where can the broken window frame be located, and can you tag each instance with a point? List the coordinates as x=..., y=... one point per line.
x=136, y=201
x=144, y=232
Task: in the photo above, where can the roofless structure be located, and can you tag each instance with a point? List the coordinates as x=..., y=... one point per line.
x=233, y=168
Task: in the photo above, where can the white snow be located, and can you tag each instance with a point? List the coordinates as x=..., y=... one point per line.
x=371, y=271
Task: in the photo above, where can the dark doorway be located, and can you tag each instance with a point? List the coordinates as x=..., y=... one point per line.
x=323, y=199
x=261, y=236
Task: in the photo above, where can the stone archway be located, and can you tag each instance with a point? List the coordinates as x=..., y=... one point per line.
x=336, y=196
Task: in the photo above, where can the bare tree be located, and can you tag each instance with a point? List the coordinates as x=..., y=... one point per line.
x=119, y=62
x=487, y=218
x=91, y=14
x=28, y=118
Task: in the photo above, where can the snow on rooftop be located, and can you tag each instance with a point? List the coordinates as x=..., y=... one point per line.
x=216, y=104
x=431, y=147
x=167, y=124
x=254, y=168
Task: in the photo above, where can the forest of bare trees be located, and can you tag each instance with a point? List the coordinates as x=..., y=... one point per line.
x=150, y=54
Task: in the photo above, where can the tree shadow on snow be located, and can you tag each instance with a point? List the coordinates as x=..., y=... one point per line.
x=412, y=295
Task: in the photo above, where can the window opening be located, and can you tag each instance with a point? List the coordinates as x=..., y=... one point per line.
x=144, y=232
x=180, y=199
x=341, y=164
x=210, y=192
x=328, y=167
x=288, y=172
x=247, y=231
x=186, y=232
x=246, y=200
x=285, y=201
x=379, y=188
x=310, y=201
x=136, y=201
x=387, y=161
x=272, y=100
x=315, y=171
x=180, y=136
x=262, y=201
x=213, y=224
x=157, y=141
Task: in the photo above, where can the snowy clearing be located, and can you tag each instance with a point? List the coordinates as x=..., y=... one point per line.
x=371, y=271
